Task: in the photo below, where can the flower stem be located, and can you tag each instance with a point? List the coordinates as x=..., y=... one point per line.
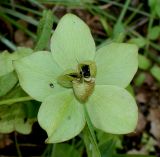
x=90, y=138
x=17, y=145
x=15, y=100
x=122, y=14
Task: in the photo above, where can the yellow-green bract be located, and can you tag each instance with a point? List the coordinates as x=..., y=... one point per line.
x=111, y=108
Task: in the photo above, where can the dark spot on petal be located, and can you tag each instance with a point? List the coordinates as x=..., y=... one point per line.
x=51, y=85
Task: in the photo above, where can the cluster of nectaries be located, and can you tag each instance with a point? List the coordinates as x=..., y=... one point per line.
x=81, y=80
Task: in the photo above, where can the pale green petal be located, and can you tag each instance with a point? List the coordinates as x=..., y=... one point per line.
x=116, y=64
x=37, y=75
x=72, y=42
x=62, y=117
x=112, y=109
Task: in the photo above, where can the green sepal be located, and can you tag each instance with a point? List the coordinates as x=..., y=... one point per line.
x=116, y=63
x=38, y=75
x=112, y=109
x=72, y=42
x=61, y=116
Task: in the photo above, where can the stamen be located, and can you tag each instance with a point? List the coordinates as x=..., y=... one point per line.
x=81, y=80
x=85, y=71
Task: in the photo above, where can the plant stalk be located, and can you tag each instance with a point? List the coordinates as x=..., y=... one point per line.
x=15, y=100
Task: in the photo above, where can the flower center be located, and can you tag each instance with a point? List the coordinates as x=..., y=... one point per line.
x=81, y=80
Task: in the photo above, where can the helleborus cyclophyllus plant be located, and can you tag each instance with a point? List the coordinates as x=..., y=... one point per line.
x=75, y=74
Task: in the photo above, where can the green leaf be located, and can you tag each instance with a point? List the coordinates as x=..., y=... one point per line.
x=90, y=138
x=119, y=32
x=13, y=118
x=16, y=92
x=116, y=64
x=91, y=147
x=112, y=109
x=155, y=7
x=65, y=150
x=132, y=155
x=108, y=147
x=22, y=52
x=62, y=116
x=37, y=75
x=5, y=63
x=7, y=58
x=106, y=138
x=143, y=62
x=44, y=30
x=140, y=42
x=72, y=42
x=154, y=33
x=155, y=71
x=140, y=78
x=7, y=82
x=130, y=89
x=31, y=108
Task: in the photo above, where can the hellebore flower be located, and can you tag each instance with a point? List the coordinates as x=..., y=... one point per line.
x=73, y=75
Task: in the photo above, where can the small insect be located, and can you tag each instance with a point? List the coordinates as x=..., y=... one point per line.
x=51, y=85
